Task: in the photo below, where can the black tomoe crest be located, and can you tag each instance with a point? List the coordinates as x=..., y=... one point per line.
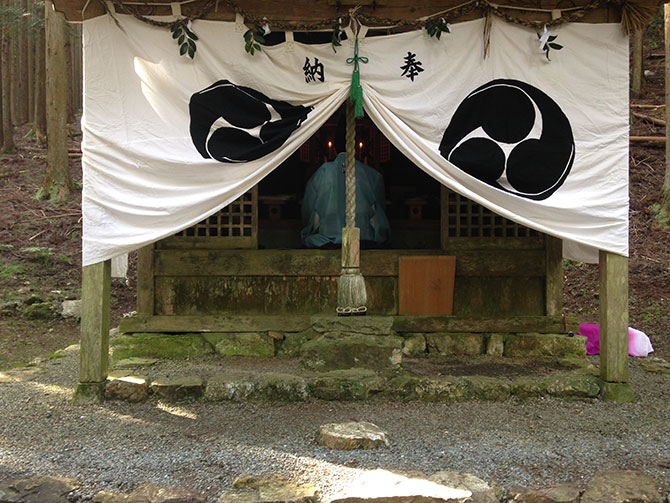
x=511, y=136
x=231, y=123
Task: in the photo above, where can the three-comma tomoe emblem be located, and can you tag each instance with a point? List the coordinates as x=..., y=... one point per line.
x=232, y=123
x=511, y=136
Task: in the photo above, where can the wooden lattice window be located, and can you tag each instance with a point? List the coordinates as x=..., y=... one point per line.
x=234, y=226
x=462, y=218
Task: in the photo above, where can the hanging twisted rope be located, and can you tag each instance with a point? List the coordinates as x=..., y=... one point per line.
x=350, y=173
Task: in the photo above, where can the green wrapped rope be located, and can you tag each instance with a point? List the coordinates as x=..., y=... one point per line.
x=356, y=93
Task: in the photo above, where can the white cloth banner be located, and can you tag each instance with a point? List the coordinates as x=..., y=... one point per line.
x=542, y=143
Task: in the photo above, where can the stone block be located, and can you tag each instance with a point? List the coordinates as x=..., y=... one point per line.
x=348, y=384
x=528, y=387
x=481, y=491
x=383, y=486
x=366, y=325
x=178, y=388
x=443, y=389
x=237, y=387
x=242, y=344
x=544, y=345
x=42, y=489
x=352, y=435
x=158, y=345
x=71, y=309
x=367, y=351
x=414, y=344
x=573, y=386
x=621, y=486
x=127, y=387
x=129, y=363
x=486, y=388
x=275, y=386
x=495, y=346
x=152, y=493
x=269, y=489
x=561, y=493
x=456, y=344
x=293, y=341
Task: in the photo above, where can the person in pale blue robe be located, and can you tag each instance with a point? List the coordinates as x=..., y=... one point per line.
x=323, y=206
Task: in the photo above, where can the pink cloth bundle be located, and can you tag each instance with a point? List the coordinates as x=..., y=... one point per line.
x=638, y=342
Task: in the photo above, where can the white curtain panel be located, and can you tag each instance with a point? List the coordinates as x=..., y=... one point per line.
x=167, y=140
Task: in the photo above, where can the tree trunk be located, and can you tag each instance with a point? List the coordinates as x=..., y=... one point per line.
x=23, y=34
x=39, y=100
x=665, y=191
x=7, y=125
x=58, y=184
x=30, y=63
x=637, y=77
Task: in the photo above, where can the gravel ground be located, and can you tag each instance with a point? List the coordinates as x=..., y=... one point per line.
x=117, y=446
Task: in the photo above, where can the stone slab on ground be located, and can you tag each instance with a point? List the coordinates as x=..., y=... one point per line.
x=71, y=309
x=347, y=384
x=655, y=364
x=246, y=386
x=352, y=435
x=158, y=345
x=127, y=387
x=621, y=486
x=178, y=388
x=242, y=344
x=481, y=491
x=269, y=489
x=530, y=345
x=383, y=486
x=346, y=351
x=561, y=493
x=367, y=325
x=456, y=344
x=39, y=489
x=135, y=362
x=150, y=493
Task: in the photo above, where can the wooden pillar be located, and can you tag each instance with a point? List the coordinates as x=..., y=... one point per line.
x=554, y=275
x=145, y=280
x=614, y=374
x=95, y=297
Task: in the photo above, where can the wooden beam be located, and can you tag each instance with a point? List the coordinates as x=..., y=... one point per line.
x=94, y=352
x=613, y=318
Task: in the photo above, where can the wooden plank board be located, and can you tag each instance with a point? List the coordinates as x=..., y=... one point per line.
x=321, y=263
x=426, y=285
x=537, y=324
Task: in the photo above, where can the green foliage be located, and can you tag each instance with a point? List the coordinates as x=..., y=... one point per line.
x=10, y=271
x=654, y=312
x=550, y=44
x=253, y=37
x=185, y=39
x=653, y=35
x=662, y=218
x=39, y=253
x=436, y=27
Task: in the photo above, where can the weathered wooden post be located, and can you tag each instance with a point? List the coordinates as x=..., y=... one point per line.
x=638, y=52
x=614, y=374
x=94, y=348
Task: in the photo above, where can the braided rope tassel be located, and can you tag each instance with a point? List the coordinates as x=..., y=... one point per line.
x=356, y=92
x=350, y=172
x=351, y=292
